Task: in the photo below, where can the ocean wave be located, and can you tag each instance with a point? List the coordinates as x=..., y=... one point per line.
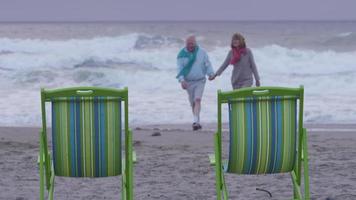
x=149, y=71
x=5, y=69
x=345, y=34
x=156, y=41
x=5, y=52
x=127, y=65
x=64, y=57
x=122, y=50
x=298, y=61
x=342, y=39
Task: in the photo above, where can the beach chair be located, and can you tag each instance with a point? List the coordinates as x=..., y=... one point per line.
x=266, y=136
x=87, y=137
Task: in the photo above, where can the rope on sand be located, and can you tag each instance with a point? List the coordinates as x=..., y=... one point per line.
x=269, y=193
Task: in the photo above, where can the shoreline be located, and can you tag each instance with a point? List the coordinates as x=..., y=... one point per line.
x=211, y=126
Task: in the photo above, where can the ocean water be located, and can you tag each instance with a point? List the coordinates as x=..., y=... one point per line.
x=142, y=56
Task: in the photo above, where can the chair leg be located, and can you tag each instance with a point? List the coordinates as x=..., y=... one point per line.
x=221, y=191
x=51, y=187
x=42, y=185
x=123, y=181
x=51, y=190
x=130, y=168
x=295, y=171
x=296, y=188
x=224, y=188
x=294, y=193
x=218, y=186
x=217, y=168
x=297, y=176
x=305, y=165
x=42, y=171
x=127, y=190
x=46, y=169
x=127, y=170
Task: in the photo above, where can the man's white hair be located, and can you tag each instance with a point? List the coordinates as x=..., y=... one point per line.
x=191, y=37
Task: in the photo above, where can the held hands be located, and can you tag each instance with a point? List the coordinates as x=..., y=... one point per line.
x=184, y=85
x=212, y=77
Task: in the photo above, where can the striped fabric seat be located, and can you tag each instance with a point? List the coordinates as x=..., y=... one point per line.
x=262, y=135
x=86, y=136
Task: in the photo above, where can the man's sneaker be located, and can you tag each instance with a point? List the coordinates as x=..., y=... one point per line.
x=195, y=126
x=199, y=126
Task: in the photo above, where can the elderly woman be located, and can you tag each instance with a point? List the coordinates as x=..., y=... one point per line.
x=244, y=64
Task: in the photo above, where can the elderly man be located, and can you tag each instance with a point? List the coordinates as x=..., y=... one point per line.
x=193, y=67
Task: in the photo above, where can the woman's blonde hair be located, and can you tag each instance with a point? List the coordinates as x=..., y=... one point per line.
x=238, y=36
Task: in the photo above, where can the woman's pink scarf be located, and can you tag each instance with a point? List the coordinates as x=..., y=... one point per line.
x=236, y=55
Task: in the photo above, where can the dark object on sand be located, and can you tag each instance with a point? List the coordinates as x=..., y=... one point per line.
x=137, y=143
x=269, y=193
x=156, y=134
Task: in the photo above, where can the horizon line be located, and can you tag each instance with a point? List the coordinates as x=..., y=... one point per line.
x=148, y=21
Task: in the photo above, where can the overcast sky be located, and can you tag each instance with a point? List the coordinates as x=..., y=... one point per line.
x=116, y=10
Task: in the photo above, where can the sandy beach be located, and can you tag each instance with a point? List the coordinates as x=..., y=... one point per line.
x=175, y=165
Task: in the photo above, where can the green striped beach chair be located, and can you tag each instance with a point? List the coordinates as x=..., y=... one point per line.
x=87, y=137
x=266, y=136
